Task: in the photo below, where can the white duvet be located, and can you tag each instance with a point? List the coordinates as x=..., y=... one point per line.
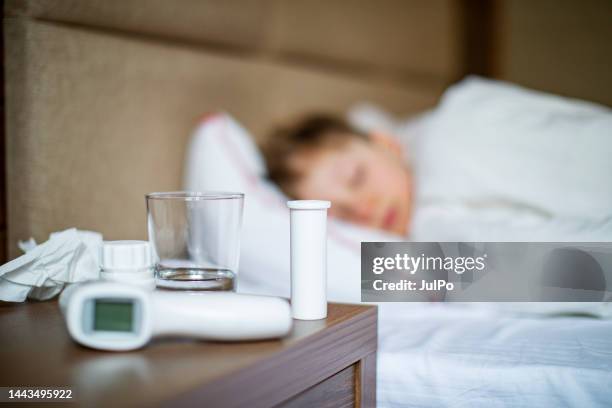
x=493, y=162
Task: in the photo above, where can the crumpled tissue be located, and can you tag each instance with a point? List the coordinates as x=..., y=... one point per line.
x=41, y=273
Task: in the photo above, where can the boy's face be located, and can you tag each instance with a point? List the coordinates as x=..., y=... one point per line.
x=366, y=181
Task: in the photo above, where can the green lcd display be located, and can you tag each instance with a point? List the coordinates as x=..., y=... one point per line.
x=113, y=315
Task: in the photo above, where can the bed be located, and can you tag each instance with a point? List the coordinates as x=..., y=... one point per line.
x=481, y=354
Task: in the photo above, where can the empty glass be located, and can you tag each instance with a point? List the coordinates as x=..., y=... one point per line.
x=196, y=238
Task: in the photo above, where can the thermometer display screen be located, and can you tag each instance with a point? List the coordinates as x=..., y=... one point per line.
x=113, y=315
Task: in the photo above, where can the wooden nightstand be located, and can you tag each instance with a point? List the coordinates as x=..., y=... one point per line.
x=326, y=363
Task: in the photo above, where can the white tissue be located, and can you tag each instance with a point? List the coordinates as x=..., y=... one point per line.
x=41, y=273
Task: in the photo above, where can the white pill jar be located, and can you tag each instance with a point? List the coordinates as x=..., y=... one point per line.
x=129, y=262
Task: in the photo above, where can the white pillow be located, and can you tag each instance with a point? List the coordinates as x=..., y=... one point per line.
x=222, y=156
x=495, y=142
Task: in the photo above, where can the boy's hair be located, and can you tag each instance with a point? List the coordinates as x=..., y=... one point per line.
x=309, y=134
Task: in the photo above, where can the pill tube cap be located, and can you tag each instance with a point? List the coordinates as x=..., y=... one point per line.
x=308, y=204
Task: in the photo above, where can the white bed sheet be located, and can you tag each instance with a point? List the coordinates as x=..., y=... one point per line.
x=449, y=355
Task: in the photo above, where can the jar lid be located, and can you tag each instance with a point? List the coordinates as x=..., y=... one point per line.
x=126, y=255
x=308, y=204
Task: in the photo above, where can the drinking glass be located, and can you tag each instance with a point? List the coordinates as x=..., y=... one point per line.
x=195, y=238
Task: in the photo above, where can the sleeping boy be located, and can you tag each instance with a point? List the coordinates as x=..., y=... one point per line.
x=364, y=176
x=370, y=183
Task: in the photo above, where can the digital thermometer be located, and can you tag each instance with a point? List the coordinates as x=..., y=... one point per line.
x=115, y=316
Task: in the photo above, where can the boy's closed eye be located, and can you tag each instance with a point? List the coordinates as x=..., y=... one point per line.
x=358, y=176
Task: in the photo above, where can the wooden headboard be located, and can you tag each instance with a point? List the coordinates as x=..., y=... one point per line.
x=101, y=96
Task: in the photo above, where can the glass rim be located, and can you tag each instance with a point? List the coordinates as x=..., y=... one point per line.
x=194, y=195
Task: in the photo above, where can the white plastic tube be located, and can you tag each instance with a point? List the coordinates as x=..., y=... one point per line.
x=308, y=259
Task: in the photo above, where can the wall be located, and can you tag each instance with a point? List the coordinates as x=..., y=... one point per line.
x=559, y=46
